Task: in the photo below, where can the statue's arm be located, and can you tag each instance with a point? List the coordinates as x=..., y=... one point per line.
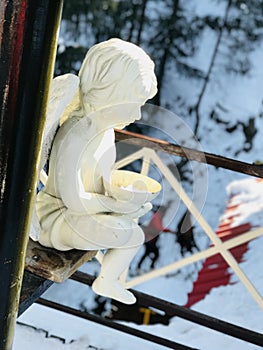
x=67, y=157
x=70, y=188
x=95, y=203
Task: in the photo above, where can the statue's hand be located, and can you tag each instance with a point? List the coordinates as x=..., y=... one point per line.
x=95, y=203
x=134, y=210
x=142, y=211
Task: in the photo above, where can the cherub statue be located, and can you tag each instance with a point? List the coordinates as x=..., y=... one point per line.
x=74, y=210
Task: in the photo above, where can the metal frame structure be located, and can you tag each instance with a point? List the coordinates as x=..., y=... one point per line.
x=173, y=309
x=170, y=309
x=39, y=285
x=148, y=155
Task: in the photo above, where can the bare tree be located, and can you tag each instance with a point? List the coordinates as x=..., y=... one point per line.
x=196, y=108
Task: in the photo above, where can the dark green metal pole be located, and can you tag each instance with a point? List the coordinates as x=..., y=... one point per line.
x=28, y=39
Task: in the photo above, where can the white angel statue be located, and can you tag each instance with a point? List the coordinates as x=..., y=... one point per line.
x=74, y=210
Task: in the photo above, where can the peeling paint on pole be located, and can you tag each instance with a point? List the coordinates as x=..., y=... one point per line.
x=28, y=39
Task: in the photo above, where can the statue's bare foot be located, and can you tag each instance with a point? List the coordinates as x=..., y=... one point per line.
x=113, y=289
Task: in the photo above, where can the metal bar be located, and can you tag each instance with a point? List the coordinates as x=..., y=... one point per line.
x=32, y=288
x=129, y=159
x=117, y=326
x=189, y=153
x=28, y=40
x=146, y=162
x=201, y=319
x=229, y=244
x=185, y=313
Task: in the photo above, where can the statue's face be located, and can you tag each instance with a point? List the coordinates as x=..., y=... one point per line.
x=121, y=115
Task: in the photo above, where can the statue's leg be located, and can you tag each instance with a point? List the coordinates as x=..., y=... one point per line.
x=114, y=263
x=63, y=231
x=101, y=232
x=119, y=234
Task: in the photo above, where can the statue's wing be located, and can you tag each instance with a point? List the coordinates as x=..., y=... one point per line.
x=62, y=91
x=63, y=96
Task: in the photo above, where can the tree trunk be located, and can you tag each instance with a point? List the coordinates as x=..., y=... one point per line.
x=166, y=48
x=141, y=22
x=196, y=108
x=160, y=76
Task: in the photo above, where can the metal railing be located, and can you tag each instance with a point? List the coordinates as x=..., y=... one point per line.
x=149, y=156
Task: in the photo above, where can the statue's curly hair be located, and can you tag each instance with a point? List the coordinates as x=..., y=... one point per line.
x=116, y=71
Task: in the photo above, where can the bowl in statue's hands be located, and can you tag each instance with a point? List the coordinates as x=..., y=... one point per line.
x=129, y=186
